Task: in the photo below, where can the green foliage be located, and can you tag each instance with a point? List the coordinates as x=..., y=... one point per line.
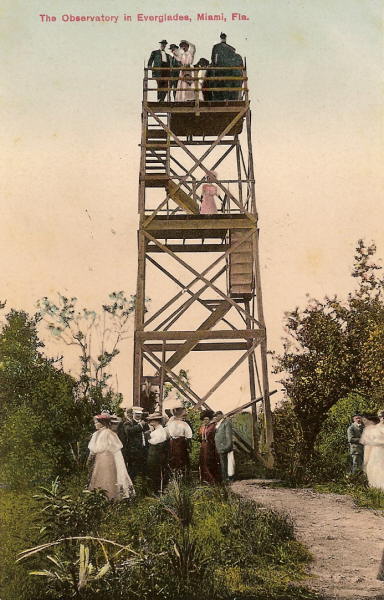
x=356, y=487
x=333, y=350
x=63, y=515
x=178, y=501
x=40, y=416
x=231, y=548
x=17, y=531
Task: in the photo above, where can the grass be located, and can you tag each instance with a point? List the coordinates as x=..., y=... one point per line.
x=233, y=549
x=363, y=496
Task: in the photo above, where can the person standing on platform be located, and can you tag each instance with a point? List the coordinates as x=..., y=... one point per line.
x=157, y=452
x=136, y=444
x=224, y=446
x=180, y=439
x=222, y=56
x=186, y=84
x=175, y=71
x=209, y=189
x=160, y=58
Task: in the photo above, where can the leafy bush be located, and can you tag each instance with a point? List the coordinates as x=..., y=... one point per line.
x=63, y=515
x=192, y=539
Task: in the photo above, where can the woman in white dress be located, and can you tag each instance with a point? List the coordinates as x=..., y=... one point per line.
x=185, y=54
x=373, y=440
x=109, y=471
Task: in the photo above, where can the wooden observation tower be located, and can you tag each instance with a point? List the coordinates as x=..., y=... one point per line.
x=201, y=271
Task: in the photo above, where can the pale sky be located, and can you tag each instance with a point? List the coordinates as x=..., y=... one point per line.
x=70, y=112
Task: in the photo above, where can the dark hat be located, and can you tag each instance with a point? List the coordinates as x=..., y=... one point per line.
x=358, y=414
x=223, y=36
x=172, y=46
x=202, y=62
x=163, y=42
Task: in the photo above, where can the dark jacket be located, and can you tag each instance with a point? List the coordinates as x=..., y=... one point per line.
x=155, y=59
x=134, y=432
x=222, y=54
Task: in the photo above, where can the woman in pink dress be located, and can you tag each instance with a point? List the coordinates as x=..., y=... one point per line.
x=208, y=204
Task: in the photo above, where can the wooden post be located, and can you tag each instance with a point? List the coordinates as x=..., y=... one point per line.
x=139, y=320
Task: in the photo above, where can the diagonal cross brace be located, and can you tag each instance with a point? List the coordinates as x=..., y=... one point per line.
x=198, y=161
x=209, y=323
x=230, y=250
x=192, y=270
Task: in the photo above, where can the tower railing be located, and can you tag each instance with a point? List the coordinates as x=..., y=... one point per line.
x=229, y=80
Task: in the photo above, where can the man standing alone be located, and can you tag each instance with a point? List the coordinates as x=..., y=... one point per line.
x=356, y=449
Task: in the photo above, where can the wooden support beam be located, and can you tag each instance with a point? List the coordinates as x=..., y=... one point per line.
x=200, y=224
x=189, y=248
x=200, y=347
x=209, y=323
x=247, y=405
x=217, y=334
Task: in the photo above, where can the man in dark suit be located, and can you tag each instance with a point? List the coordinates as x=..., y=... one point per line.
x=136, y=453
x=160, y=58
x=222, y=56
x=174, y=73
x=224, y=444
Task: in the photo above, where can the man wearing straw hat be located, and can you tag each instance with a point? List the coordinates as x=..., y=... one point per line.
x=160, y=58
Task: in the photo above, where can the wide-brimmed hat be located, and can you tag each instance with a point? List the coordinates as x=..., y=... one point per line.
x=156, y=416
x=172, y=46
x=163, y=42
x=172, y=402
x=103, y=416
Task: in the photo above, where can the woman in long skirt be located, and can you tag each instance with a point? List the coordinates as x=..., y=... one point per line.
x=109, y=471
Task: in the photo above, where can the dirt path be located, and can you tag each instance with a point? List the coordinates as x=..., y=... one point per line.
x=346, y=541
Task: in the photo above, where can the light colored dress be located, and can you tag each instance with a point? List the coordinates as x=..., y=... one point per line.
x=373, y=440
x=208, y=204
x=185, y=90
x=109, y=471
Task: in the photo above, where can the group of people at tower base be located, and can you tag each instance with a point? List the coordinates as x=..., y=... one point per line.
x=176, y=79
x=154, y=447
x=366, y=446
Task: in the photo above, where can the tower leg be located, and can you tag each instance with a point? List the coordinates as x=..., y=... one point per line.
x=139, y=320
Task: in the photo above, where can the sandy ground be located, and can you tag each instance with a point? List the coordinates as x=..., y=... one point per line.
x=346, y=541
